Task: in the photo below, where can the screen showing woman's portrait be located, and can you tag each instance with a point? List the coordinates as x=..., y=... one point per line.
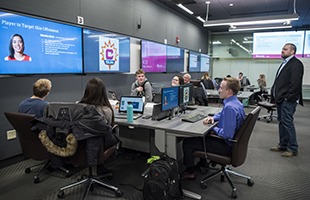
x=17, y=48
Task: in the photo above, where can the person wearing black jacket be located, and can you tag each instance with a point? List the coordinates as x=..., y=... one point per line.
x=286, y=93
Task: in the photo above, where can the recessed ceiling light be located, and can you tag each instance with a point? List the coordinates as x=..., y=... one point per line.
x=231, y=4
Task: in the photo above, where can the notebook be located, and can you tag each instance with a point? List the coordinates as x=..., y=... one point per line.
x=137, y=104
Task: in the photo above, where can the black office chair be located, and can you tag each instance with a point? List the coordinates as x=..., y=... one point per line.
x=30, y=143
x=267, y=104
x=88, y=126
x=239, y=153
x=80, y=159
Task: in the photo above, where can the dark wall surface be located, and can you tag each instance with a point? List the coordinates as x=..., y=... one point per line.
x=119, y=16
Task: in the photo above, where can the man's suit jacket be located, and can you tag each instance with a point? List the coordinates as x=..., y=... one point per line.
x=288, y=84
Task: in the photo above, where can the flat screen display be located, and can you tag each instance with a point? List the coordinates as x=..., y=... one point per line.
x=36, y=46
x=185, y=94
x=204, y=62
x=194, y=62
x=153, y=56
x=169, y=98
x=105, y=52
x=269, y=44
x=175, y=59
x=307, y=45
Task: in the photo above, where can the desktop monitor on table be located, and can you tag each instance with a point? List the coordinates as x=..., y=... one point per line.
x=169, y=99
x=185, y=94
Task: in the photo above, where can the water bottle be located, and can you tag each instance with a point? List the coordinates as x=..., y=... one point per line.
x=129, y=112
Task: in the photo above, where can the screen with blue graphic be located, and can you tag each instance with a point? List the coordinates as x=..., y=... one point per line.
x=36, y=46
x=175, y=59
x=169, y=98
x=105, y=52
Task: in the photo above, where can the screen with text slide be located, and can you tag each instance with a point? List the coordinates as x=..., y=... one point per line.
x=105, y=52
x=169, y=98
x=193, y=62
x=269, y=45
x=37, y=46
x=204, y=62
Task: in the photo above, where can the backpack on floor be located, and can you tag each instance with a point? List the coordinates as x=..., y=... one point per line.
x=162, y=182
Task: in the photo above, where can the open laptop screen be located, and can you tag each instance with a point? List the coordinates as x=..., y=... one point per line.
x=137, y=104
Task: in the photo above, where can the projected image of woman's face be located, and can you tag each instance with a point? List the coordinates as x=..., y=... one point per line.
x=18, y=44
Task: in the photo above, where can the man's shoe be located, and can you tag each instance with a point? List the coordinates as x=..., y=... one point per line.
x=278, y=149
x=188, y=176
x=289, y=154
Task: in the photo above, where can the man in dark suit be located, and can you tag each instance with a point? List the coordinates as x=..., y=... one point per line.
x=287, y=92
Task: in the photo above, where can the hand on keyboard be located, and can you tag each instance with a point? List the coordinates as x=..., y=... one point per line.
x=208, y=120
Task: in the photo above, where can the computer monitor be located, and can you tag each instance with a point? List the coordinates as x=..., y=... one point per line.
x=169, y=98
x=185, y=94
x=137, y=104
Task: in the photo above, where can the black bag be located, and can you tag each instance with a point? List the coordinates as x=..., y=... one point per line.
x=162, y=182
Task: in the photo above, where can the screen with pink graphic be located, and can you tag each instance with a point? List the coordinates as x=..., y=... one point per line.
x=153, y=56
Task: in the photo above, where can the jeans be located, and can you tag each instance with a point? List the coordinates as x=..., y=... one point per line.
x=287, y=132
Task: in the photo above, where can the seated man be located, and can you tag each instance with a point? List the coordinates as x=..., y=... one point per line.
x=230, y=119
x=187, y=78
x=36, y=103
x=244, y=81
x=142, y=87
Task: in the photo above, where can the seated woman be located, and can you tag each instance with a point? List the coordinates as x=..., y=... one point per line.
x=177, y=80
x=261, y=82
x=96, y=94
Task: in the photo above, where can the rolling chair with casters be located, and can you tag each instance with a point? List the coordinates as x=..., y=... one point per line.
x=29, y=141
x=85, y=125
x=239, y=153
x=80, y=159
x=271, y=107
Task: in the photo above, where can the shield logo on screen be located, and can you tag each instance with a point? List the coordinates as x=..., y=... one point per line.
x=108, y=58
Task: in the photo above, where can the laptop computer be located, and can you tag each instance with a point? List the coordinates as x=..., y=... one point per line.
x=137, y=104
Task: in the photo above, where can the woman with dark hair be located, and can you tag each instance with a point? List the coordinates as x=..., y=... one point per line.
x=96, y=94
x=17, y=48
x=177, y=80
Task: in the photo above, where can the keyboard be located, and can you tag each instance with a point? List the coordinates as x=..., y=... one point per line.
x=193, y=118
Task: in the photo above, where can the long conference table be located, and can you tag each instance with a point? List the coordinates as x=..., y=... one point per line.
x=169, y=132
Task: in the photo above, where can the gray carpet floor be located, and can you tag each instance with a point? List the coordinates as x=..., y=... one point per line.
x=275, y=177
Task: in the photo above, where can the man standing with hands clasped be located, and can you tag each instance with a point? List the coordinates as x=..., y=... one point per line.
x=286, y=93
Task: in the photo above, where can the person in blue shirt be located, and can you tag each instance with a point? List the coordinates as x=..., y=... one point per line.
x=36, y=103
x=230, y=119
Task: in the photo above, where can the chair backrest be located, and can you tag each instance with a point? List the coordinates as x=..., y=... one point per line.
x=69, y=111
x=240, y=148
x=29, y=141
x=204, y=90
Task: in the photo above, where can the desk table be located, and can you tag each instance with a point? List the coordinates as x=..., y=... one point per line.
x=169, y=131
